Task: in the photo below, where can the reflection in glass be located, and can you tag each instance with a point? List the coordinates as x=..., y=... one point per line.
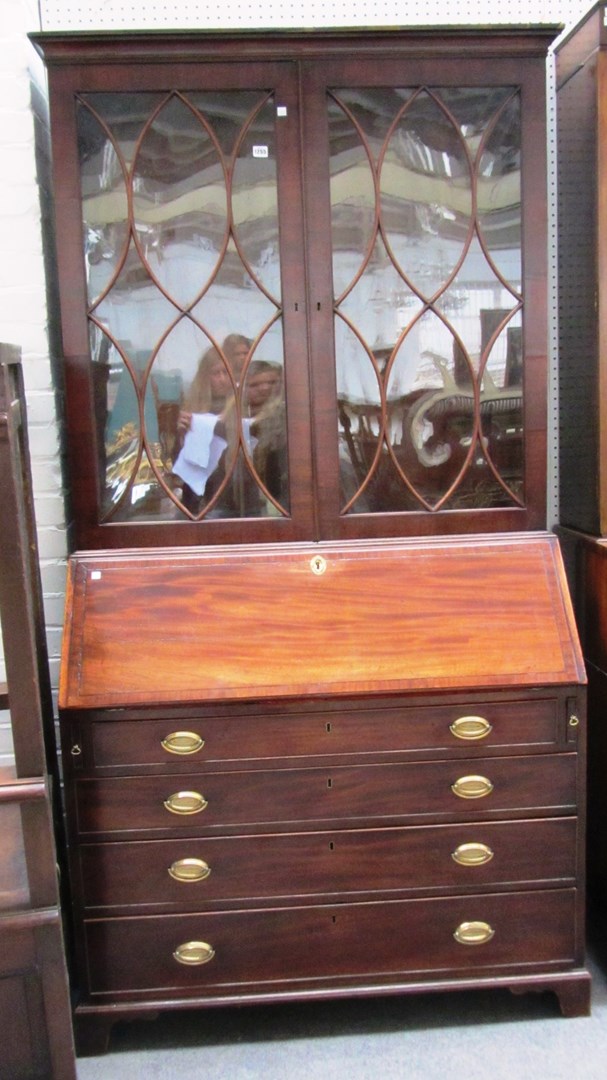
x=425, y=203
x=499, y=193
x=179, y=200
x=232, y=442
x=104, y=204
x=180, y=215
x=254, y=200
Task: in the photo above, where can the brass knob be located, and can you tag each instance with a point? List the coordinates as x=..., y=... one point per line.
x=472, y=854
x=470, y=727
x=472, y=787
x=189, y=870
x=186, y=802
x=182, y=742
x=473, y=933
x=194, y=953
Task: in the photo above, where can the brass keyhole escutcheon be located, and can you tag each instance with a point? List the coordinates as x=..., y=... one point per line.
x=318, y=565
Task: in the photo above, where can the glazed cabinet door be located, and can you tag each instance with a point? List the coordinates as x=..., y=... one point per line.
x=180, y=258
x=429, y=336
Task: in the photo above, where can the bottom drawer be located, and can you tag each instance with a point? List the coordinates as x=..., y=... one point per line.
x=329, y=945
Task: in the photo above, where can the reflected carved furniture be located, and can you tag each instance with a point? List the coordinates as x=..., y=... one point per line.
x=35, y=1012
x=376, y=742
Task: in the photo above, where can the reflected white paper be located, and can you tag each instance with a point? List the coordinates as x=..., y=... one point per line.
x=201, y=452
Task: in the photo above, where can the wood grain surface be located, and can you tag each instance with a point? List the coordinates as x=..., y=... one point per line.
x=225, y=624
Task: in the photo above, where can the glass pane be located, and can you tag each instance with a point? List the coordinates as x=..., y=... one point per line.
x=255, y=200
x=352, y=197
x=179, y=201
x=104, y=203
x=427, y=289
x=180, y=210
x=499, y=194
x=426, y=194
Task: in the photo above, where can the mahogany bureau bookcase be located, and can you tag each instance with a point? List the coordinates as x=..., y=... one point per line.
x=322, y=700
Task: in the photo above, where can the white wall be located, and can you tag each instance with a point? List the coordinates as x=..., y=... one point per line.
x=25, y=318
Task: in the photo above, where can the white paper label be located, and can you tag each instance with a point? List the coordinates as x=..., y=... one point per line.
x=260, y=151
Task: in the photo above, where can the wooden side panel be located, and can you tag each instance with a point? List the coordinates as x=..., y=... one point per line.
x=575, y=49
x=578, y=322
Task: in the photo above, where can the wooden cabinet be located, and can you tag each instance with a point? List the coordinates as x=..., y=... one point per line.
x=35, y=1014
x=581, y=63
x=302, y=282
x=309, y=788
x=303, y=297
x=581, y=60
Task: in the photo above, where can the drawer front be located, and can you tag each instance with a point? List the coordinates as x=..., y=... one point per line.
x=194, y=874
x=141, y=743
x=281, y=798
x=330, y=945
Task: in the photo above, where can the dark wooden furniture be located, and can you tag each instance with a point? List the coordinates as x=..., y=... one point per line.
x=303, y=296
x=369, y=210
x=582, y=164
x=347, y=769
x=35, y=1012
x=588, y=558
x=581, y=60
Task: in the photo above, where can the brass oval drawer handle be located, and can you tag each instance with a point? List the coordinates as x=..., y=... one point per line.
x=473, y=854
x=186, y=802
x=473, y=933
x=472, y=787
x=182, y=742
x=194, y=953
x=189, y=870
x=470, y=727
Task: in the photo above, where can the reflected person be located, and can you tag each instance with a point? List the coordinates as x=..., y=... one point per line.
x=207, y=428
x=236, y=349
x=267, y=428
